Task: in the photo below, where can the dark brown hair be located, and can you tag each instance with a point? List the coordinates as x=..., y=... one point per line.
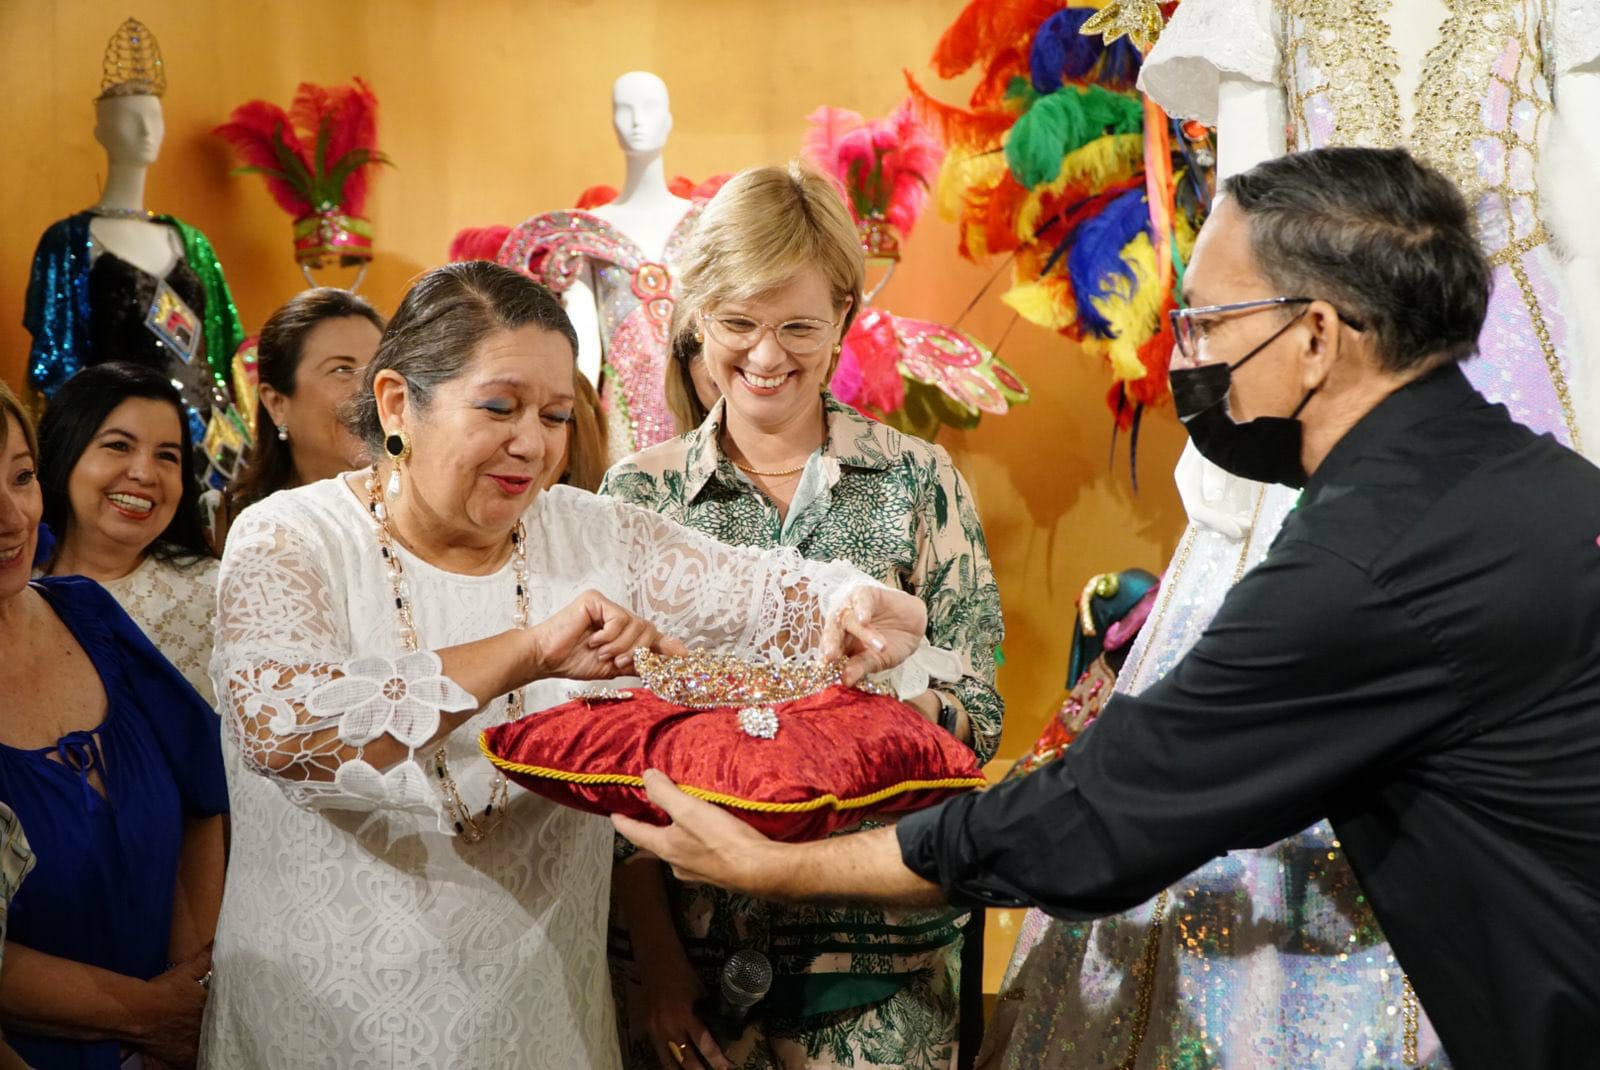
x=1381, y=236
x=75, y=416
x=438, y=326
x=278, y=355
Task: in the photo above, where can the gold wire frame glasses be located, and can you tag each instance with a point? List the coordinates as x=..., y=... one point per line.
x=799, y=336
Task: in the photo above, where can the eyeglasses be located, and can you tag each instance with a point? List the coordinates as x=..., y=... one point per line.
x=1188, y=333
x=797, y=336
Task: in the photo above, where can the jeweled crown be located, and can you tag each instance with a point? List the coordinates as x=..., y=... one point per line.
x=705, y=680
x=133, y=66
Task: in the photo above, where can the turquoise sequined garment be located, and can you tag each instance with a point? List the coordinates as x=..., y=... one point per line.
x=57, y=311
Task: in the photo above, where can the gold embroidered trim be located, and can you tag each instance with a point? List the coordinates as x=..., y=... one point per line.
x=1348, y=44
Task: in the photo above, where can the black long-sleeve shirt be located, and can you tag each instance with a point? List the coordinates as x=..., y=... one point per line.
x=1418, y=660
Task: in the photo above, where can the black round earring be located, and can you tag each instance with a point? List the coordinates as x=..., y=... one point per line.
x=397, y=445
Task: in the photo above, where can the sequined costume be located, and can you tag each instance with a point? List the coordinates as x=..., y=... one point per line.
x=59, y=314
x=1483, y=109
x=635, y=300
x=1261, y=959
x=1270, y=958
x=86, y=306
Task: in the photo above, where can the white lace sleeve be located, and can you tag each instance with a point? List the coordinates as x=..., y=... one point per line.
x=298, y=701
x=1204, y=40
x=1576, y=36
x=756, y=603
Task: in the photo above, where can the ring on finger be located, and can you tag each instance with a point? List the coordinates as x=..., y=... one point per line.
x=677, y=1050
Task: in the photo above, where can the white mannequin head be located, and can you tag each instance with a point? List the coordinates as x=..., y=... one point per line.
x=131, y=128
x=641, y=113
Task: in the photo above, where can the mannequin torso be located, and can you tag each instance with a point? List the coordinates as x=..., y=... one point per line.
x=612, y=268
x=131, y=129
x=646, y=211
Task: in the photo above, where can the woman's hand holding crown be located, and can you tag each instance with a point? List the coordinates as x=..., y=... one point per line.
x=593, y=638
x=876, y=629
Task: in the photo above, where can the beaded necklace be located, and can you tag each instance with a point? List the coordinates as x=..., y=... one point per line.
x=469, y=826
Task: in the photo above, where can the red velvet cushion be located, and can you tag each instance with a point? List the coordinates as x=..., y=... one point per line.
x=840, y=755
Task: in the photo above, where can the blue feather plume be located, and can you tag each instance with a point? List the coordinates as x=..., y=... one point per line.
x=1095, y=260
x=1060, y=52
x=1121, y=67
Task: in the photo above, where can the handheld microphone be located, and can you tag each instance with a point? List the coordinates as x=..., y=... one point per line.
x=746, y=980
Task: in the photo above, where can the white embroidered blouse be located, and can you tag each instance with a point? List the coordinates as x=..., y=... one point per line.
x=356, y=930
x=176, y=606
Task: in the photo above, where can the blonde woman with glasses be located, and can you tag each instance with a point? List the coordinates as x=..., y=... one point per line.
x=770, y=284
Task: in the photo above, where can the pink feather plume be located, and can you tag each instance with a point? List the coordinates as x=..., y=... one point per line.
x=886, y=166
x=868, y=375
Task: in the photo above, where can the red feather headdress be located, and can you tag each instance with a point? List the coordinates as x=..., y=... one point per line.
x=315, y=158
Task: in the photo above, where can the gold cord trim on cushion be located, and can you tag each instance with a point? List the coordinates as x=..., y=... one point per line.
x=827, y=799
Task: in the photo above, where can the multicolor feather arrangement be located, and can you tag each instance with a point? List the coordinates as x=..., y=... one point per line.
x=1059, y=163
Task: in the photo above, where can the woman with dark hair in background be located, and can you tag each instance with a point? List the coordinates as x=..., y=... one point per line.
x=311, y=356
x=112, y=764
x=122, y=500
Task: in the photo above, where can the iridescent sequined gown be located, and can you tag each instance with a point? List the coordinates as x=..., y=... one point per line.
x=634, y=295
x=1271, y=958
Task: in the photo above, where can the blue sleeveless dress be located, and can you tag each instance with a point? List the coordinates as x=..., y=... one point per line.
x=102, y=889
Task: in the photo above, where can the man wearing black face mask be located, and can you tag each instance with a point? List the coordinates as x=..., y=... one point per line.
x=1417, y=659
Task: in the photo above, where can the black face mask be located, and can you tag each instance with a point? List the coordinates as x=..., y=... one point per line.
x=1266, y=449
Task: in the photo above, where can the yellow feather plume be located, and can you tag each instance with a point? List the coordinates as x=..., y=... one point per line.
x=1046, y=302
x=963, y=170
x=1132, y=310
x=1184, y=235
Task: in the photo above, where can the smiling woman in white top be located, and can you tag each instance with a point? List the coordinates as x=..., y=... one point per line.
x=392, y=901
x=121, y=498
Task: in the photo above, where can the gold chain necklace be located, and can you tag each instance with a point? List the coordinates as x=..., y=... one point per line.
x=769, y=475
x=470, y=827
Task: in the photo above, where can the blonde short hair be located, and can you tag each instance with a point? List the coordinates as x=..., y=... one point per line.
x=11, y=406
x=760, y=230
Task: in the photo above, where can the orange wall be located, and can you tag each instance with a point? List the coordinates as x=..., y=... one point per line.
x=495, y=109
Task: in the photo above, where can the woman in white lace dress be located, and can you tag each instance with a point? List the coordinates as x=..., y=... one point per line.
x=391, y=901
x=120, y=496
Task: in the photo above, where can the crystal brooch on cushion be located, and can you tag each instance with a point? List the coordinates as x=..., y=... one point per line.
x=759, y=721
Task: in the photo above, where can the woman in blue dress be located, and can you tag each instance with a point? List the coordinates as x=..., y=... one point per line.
x=112, y=763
